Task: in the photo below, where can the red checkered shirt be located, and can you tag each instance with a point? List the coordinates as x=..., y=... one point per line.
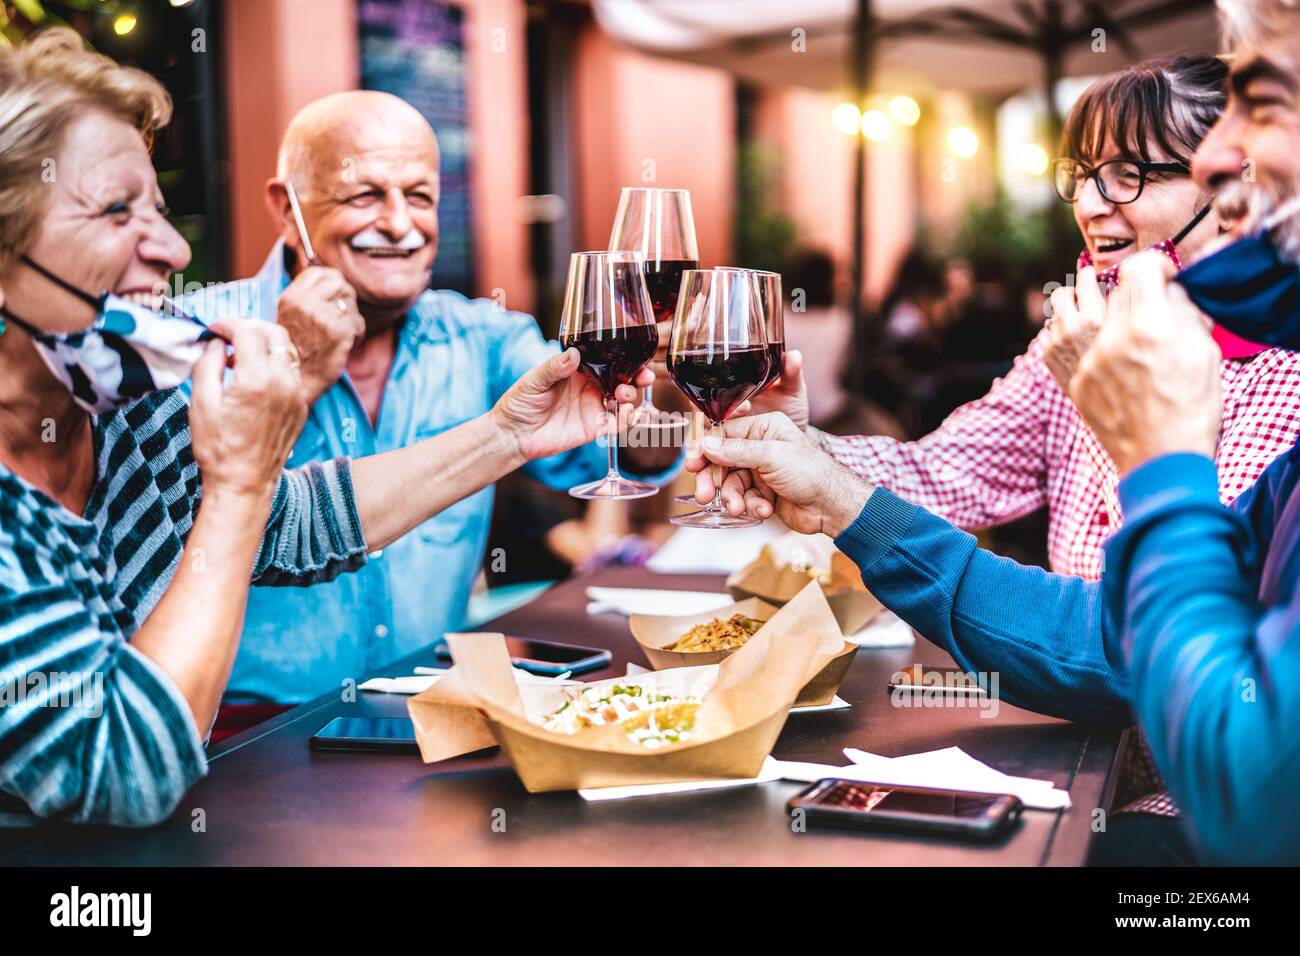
x=1023, y=445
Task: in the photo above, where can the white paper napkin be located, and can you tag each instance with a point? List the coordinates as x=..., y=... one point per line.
x=652, y=601
x=415, y=684
x=951, y=769
x=704, y=551
x=426, y=677
x=954, y=769
x=837, y=703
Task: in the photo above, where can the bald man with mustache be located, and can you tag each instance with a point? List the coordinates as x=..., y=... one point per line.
x=386, y=361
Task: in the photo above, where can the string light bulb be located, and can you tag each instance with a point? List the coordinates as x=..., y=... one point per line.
x=963, y=141
x=845, y=118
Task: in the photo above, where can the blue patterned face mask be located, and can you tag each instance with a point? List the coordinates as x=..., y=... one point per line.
x=1250, y=287
x=128, y=351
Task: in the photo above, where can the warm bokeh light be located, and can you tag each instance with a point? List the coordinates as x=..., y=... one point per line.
x=124, y=23
x=845, y=118
x=904, y=111
x=963, y=141
x=1033, y=159
x=876, y=125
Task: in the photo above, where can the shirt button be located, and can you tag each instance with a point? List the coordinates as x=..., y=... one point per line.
x=375, y=555
x=381, y=630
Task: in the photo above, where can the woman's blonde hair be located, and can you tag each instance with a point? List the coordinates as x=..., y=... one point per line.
x=44, y=85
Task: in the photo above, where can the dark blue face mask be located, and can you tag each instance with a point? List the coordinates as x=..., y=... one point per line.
x=1250, y=289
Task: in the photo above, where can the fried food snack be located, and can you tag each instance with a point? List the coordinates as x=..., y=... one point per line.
x=718, y=635
x=651, y=720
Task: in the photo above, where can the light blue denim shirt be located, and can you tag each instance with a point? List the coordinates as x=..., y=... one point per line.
x=455, y=357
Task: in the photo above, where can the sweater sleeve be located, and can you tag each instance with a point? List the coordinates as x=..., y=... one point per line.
x=91, y=731
x=313, y=533
x=1047, y=637
x=1215, y=673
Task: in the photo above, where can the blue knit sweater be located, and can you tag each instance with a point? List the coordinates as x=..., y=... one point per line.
x=1191, y=632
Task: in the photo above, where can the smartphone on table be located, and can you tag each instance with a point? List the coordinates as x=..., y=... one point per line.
x=548, y=658
x=877, y=806
x=917, y=678
x=376, y=734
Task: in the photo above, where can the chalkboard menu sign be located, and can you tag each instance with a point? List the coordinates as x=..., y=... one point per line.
x=415, y=49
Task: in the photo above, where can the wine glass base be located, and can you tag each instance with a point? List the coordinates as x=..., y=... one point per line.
x=713, y=519
x=685, y=500
x=614, y=488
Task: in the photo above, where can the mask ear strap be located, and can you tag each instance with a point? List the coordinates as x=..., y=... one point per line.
x=94, y=302
x=23, y=324
x=1196, y=221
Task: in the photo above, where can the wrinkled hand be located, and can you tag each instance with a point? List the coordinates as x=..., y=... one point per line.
x=1150, y=384
x=1077, y=314
x=319, y=310
x=244, y=430
x=554, y=407
x=773, y=467
x=789, y=396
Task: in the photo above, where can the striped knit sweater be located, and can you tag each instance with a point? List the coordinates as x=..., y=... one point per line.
x=91, y=730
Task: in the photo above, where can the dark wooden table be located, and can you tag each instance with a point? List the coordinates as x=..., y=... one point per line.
x=269, y=800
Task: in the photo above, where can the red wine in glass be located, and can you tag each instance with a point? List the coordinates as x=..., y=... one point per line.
x=614, y=357
x=776, y=355
x=607, y=317
x=663, y=279
x=659, y=224
x=717, y=381
x=718, y=357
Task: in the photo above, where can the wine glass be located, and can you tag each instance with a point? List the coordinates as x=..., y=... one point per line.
x=768, y=289
x=659, y=224
x=773, y=306
x=607, y=317
x=718, y=356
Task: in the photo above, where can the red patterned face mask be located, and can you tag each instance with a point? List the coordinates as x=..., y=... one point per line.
x=1109, y=278
x=1232, y=346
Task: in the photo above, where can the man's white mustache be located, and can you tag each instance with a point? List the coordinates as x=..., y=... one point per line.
x=374, y=239
x=1246, y=207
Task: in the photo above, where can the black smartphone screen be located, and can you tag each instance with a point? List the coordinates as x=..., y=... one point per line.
x=869, y=798
x=528, y=649
x=367, y=733
x=548, y=657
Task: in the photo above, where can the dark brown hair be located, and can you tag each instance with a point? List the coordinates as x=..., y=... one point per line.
x=1171, y=101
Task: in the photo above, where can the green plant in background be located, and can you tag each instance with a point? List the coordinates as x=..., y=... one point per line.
x=1024, y=249
x=19, y=18
x=18, y=14
x=765, y=236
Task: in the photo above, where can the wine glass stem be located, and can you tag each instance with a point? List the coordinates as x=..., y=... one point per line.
x=647, y=397
x=611, y=440
x=715, y=431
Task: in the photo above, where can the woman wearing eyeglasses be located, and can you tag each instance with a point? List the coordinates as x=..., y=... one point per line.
x=1124, y=169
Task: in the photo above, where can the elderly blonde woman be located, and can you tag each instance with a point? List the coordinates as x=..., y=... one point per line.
x=131, y=521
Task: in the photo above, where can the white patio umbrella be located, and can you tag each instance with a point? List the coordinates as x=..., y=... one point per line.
x=982, y=46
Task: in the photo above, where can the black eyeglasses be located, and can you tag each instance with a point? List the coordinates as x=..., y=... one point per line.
x=1120, y=180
